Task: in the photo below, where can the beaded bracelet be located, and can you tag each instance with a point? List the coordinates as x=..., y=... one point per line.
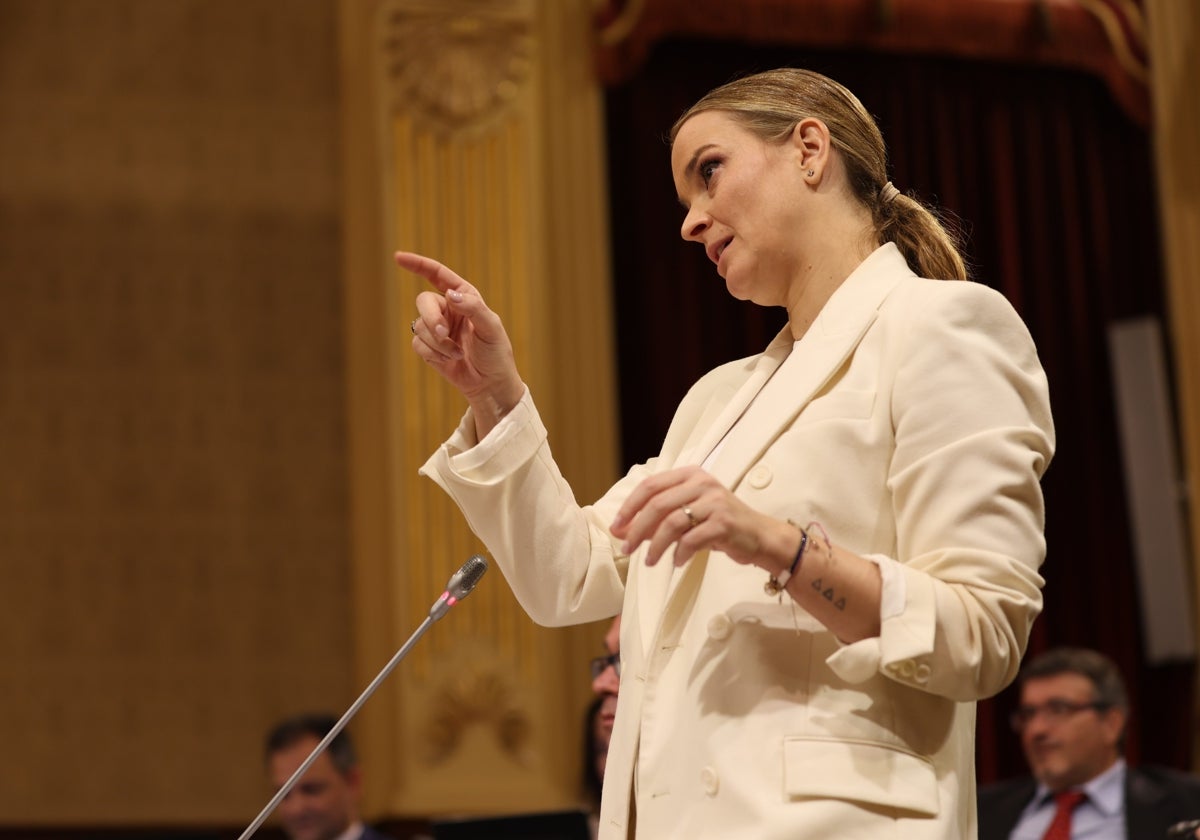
x=776, y=583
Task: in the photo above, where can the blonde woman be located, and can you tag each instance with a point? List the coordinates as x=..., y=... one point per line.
x=836, y=552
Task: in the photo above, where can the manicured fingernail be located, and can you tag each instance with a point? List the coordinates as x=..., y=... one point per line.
x=455, y=295
x=440, y=331
x=627, y=548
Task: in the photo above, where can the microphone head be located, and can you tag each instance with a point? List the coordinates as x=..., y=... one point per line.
x=1183, y=829
x=467, y=577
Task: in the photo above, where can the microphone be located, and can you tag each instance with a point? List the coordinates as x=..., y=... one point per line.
x=1183, y=829
x=460, y=585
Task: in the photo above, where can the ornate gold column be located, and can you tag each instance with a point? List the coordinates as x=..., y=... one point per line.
x=473, y=135
x=1174, y=36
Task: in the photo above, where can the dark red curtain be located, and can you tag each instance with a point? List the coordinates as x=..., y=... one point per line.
x=1052, y=184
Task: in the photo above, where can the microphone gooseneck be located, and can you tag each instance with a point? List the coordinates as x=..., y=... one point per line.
x=460, y=585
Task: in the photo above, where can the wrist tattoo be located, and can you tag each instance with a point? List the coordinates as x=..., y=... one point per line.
x=827, y=592
x=829, y=595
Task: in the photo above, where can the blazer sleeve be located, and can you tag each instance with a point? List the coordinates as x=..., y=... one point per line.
x=970, y=411
x=563, y=564
x=558, y=557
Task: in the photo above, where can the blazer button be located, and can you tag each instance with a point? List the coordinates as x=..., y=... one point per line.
x=904, y=670
x=923, y=673
x=719, y=627
x=710, y=781
x=760, y=476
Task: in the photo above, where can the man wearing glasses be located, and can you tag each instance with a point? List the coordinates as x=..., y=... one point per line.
x=606, y=679
x=1071, y=721
x=602, y=712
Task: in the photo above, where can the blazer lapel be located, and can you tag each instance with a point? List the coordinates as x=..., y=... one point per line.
x=781, y=385
x=1143, y=805
x=830, y=340
x=725, y=409
x=722, y=411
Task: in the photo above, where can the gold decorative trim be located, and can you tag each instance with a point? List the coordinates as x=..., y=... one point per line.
x=623, y=24
x=1136, y=17
x=482, y=700
x=454, y=63
x=1117, y=37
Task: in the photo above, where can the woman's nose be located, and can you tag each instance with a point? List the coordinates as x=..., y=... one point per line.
x=694, y=224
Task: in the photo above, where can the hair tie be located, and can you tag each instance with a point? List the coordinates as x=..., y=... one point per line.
x=888, y=192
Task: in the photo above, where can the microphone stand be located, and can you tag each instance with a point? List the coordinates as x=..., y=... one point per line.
x=460, y=586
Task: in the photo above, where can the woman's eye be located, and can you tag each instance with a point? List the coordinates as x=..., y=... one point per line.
x=707, y=169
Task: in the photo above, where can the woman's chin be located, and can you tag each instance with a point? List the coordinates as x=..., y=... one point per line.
x=740, y=291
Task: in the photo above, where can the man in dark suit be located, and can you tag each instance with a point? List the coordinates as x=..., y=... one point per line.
x=1071, y=721
x=324, y=803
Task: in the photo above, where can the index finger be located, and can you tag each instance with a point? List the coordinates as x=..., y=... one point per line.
x=442, y=278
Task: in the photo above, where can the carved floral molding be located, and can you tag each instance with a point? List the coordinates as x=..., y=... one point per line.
x=454, y=63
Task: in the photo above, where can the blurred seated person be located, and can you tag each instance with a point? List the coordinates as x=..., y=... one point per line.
x=1071, y=720
x=606, y=677
x=601, y=713
x=324, y=804
x=595, y=753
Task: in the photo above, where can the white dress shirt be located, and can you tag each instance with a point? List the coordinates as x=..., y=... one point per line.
x=1099, y=817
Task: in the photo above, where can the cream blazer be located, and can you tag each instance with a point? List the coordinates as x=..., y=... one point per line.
x=913, y=422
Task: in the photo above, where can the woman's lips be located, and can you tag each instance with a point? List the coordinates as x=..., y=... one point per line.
x=718, y=254
x=716, y=249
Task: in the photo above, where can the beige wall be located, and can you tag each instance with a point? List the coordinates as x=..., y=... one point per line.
x=193, y=537
x=173, y=514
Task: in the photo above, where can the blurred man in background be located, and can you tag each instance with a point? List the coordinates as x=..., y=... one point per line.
x=324, y=804
x=606, y=676
x=601, y=713
x=1071, y=721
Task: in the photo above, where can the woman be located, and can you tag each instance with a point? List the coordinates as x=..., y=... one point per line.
x=835, y=554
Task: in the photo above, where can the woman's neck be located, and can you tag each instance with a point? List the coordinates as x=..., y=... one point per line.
x=822, y=277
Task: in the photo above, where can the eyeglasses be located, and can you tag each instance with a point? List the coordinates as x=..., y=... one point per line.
x=1056, y=711
x=601, y=663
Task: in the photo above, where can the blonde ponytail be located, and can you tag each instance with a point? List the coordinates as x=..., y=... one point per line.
x=930, y=248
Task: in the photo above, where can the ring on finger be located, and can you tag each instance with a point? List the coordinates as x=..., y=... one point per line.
x=693, y=521
x=413, y=326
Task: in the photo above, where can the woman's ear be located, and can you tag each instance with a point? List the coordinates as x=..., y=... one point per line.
x=811, y=141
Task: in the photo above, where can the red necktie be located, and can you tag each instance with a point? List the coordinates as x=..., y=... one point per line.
x=1065, y=802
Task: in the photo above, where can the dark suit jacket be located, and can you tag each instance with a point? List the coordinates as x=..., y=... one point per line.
x=1155, y=799
x=371, y=834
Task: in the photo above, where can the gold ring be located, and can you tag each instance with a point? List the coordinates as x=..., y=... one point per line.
x=413, y=326
x=692, y=520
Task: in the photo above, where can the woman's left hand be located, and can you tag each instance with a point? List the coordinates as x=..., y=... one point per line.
x=690, y=508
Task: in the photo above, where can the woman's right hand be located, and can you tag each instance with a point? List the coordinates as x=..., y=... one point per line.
x=463, y=340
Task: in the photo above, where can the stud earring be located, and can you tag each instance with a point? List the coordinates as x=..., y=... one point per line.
x=810, y=173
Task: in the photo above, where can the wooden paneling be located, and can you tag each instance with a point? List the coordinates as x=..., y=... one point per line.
x=173, y=512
